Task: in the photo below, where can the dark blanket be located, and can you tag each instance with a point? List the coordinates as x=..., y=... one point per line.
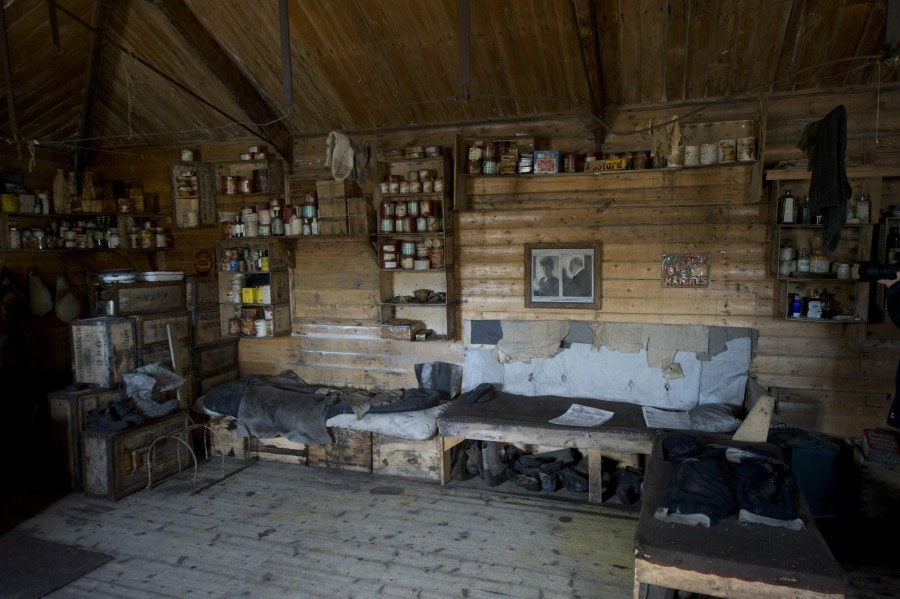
x=285, y=405
x=825, y=142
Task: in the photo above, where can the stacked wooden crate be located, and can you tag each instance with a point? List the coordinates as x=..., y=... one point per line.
x=343, y=210
x=213, y=357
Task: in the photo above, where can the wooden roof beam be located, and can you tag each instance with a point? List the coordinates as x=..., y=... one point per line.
x=585, y=14
x=272, y=129
x=85, y=152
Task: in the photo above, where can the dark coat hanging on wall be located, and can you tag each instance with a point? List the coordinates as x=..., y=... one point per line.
x=825, y=144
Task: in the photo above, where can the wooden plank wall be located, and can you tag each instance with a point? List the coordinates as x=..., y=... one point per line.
x=832, y=378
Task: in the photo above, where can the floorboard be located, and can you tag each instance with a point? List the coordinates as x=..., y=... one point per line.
x=279, y=531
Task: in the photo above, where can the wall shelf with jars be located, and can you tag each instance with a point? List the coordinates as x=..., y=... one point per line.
x=193, y=195
x=83, y=232
x=249, y=194
x=415, y=243
x=489, y=156
x=254, y=277
x=813, y=285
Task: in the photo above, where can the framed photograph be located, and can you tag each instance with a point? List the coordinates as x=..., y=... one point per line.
x=562, y=275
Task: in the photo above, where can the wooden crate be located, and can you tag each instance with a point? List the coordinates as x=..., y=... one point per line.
x=361, y=219
x=279, y=449
x=215, y=357
x=160, y=354
x=67, y=419
x=224, y=439
x=150, y=329
x=126, y=299
x=281, y=319
x=201, y=292
x=115, y=464
x=350, y=450
x=400, y=457
x=103, y=349
x=333, y=226
x=207, y=324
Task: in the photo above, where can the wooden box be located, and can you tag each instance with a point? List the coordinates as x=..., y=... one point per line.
x=401, y=329
x=350, y=450
x=67, y=418
x=207, y=325
x=201, y=292
x=115, y=464
x=361, y=216
x=150, y=329
x=103, y=349
x=160, y=354
x=279, y=449
x=400, y=457
x=333, y=226
x=125, y=299
x=224, y=439
x=329, y=189
x=215, y=357
x=281, y=319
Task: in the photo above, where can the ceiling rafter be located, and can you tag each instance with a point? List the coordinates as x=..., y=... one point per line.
x=585, y=13
x=86, y=151
x=186, y=23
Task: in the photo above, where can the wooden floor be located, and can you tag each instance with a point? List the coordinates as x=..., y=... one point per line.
x=280, y=531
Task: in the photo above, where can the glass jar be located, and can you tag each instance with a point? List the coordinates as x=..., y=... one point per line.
x=819, y=262
x=15, y=236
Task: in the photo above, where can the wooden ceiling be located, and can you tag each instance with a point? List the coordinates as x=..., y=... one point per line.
x=134, y=72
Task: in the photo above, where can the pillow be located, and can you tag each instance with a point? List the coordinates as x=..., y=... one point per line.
x=418, y=425
x=714, y=418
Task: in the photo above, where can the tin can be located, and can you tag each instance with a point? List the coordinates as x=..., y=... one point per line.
x=234, y=326
x=389, y=265
x=408, y=247
x=248, y=328
x=726, y=152
x=387, y=225
x=421, y=264
x=412, y=208
x=426, y=207
x=229, y=185
x=434, y=224
x=261, y=327
x=400, y=209
x=245, y=185
x=427, y=186
x=308, y=211
x=436, y=255
x=691, y=155
x=261, y=180
x=708, y=154
x=407, y=262
x=387, y=208
x=421, y=224
x=746, y=149
x=438, y=185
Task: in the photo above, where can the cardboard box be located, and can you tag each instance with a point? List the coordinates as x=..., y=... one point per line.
x=880, y=446
x=103, y=349
x=401, y=329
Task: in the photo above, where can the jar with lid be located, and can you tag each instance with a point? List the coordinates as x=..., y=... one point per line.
x=803, y=260
x=112, y=239
x=277, y=221
x=15, y=236
x=160, y=237
x=819, y=262
x=862, y=209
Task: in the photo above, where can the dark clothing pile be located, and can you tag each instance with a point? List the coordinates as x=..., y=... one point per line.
x=709, y=483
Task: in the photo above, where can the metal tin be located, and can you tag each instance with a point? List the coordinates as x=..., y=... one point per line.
x=387, y=209
x=412, y=208
x=422, y=223
x=387, y=225
x=726, y=152
x=708, y=154
x=248, y=328
x=308, y=211
x=407, y=262
x=389, y=265
x=229, y=185
x=436, y=255
x=426, y=207
x=408, y=247
x=261, y=180
x=421, y=264
x=434, y=224
x=438, y=185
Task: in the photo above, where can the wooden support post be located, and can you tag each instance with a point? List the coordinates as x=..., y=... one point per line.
x=595, y=476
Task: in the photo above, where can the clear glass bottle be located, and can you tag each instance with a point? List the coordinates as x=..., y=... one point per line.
x=803, y=260
x=277, y=222
x=314, y=226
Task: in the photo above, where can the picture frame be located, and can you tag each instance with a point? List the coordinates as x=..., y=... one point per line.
x=563, y=275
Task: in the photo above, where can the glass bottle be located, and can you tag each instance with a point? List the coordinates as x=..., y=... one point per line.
x=814, y=306
x=786, y=208
x=15, y=236
x=803, y=260
x=238, y=225
x=277, y=221
x=862, y=208
x=314, y=226
x=805, y=213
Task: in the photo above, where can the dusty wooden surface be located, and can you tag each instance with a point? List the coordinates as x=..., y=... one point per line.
x=279, y=531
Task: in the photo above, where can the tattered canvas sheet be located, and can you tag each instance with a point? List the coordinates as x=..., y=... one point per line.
x=481, y=367
x=578, y=371
x=524, y=341
x=660, y=340
x=723, y=378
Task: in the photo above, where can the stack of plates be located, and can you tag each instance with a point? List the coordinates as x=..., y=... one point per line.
x=121, y=275
x=161, y=275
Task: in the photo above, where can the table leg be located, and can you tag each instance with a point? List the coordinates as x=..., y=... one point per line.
x=595, y=478
x=447, y=443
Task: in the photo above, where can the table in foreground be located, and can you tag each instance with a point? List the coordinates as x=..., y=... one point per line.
x=522, y=420
x=729, y=559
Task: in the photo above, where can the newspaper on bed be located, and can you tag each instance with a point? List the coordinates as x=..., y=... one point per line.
x=578, y=415
x=657, y=418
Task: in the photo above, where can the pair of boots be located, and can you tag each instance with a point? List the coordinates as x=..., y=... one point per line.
x=536, y=472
